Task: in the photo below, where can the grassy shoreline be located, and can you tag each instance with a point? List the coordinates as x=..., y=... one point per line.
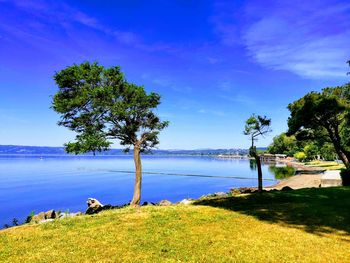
x=307, y=225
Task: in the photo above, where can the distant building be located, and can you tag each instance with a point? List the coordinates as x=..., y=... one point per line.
x=268, y=157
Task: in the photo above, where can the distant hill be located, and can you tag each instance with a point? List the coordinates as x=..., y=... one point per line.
x=18, y=149
x=41, y=150
x=45, y=150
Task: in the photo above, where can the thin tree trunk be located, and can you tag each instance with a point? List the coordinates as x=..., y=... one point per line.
x=260, y=182
x=342, y=154
x=344, y=158
x=138, y=177
x=253, y=153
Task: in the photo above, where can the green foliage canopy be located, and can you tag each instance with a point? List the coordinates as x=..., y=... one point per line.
x=100, y=105
x=316, y=145
x=301, y=156
x=284, y=144
x=326, y=113
x=257, y=125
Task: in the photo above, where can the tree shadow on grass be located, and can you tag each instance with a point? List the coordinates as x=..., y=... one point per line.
x=315, y=210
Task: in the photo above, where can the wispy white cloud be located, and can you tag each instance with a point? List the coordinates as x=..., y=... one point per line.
x=225, y=22
x=238, y=98
x=167, y=82
x=55, y=16
x=212, y=60
x=308, y=38
x=163, y=81
x=212, y=112
x=225, y=86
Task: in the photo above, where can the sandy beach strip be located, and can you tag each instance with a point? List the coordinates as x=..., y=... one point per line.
x=298, y=182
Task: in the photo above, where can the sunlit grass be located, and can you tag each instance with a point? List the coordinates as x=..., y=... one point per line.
x=326, y=165
x=296, y=226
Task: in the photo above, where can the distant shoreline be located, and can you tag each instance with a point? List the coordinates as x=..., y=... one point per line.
x=20, y=149
x=111, y=155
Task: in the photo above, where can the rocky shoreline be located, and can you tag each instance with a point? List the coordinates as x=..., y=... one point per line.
x=95, y=206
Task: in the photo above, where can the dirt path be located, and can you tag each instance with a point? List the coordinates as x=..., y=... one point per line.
x=299, y=181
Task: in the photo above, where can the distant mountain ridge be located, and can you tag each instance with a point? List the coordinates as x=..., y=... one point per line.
x=48, y=150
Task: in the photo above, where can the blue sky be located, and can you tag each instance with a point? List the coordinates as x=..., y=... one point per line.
x=214, y=62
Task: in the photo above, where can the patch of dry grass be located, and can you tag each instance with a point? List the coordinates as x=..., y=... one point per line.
x=326, y=165
x=218, y=230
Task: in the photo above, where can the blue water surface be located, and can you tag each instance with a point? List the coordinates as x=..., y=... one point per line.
x=34, y=183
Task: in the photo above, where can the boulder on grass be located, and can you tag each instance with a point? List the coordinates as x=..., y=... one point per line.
x=220, y=194
x=187, y=201
x=68, y=215
x=41, y=217
x=287, y=188
x=164, y=203
x=148, y=204
x=46, y=220
x=235, y=191
x=247, y=190
x=94, y=206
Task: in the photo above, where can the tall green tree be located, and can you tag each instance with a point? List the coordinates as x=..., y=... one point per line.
x=314, y=145
x=100, y=106
x=284, y=144
x=256, y=126
x=312, y=151
x=324, y=113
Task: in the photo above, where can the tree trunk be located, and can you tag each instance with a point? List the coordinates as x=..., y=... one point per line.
x=342, y=153
x=138, y=177
x=343, y=156
x=258, y=164
x=256, y=156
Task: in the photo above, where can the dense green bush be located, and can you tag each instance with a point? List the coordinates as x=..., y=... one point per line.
x=301, y=156
x=345, y=176
x=29, y=217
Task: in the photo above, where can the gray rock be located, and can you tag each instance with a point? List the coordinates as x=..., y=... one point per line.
x=51, y=214
x=164, y=203
x=187, y=201
x=69, y=215
x=45, y=220
x=93, y=203
x=247, y=190
x=220, y=194
x=94, y=206
x=148, y=204
x=286, y=188
x=235, y=191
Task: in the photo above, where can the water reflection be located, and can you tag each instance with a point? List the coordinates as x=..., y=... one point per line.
x=252, y=165
x=282, y=172
x=65, y=182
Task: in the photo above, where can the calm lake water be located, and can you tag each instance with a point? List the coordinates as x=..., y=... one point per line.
x=65, y=182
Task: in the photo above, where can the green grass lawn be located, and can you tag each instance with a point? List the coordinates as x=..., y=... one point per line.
x=309, y=225
x=326, y=165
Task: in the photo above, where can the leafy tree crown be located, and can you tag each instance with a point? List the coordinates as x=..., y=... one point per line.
x=257, y=125
x=100, y=105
